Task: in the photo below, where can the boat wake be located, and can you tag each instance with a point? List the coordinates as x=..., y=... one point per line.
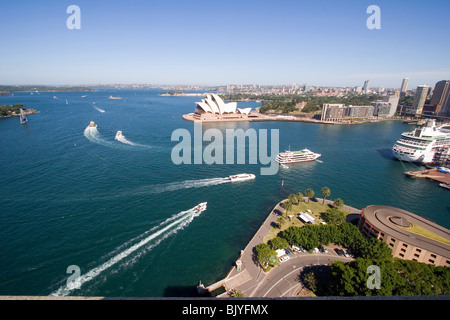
x=174, y=186
x=93, y=135
x=122, y=139
x=147, y=241
x=99, y=110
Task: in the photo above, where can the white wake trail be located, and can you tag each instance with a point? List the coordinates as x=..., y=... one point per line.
x=99, y=110
x=92, y=134
x=122, y=139
x=168, y=227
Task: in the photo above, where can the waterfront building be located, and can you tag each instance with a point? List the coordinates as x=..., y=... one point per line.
x=360, y=111
x=441, y=98
x=333, y=111
x=419, y=100
x=409, y=236
x=387, y=106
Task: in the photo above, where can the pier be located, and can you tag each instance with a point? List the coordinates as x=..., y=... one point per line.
x=433, y=174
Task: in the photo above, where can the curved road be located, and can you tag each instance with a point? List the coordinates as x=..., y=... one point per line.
x=283, y=281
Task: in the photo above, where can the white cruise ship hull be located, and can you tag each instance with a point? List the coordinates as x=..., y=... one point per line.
x=421, y=144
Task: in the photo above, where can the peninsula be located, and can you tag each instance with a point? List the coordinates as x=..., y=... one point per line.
x=7, y=111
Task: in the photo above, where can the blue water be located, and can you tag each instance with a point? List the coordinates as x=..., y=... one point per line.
x=120, y=211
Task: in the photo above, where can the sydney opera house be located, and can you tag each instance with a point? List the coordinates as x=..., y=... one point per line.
x=214, y=108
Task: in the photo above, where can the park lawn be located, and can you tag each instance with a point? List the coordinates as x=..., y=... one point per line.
x=316, y=207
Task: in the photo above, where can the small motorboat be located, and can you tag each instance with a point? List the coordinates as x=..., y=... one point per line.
x=241, y=177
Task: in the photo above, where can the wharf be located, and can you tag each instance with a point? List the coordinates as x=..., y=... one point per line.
x=433, y=174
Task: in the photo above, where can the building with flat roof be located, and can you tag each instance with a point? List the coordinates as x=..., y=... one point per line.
x=419, y=100
x=410, y=237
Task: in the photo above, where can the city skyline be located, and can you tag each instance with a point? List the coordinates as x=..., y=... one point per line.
x=317, y=43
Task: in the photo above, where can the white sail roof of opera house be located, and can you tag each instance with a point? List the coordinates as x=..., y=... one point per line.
x=214, y=104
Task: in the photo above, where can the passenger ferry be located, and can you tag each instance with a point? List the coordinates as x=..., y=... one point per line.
x=242, y=177
x=421, y=144
x=296, y=156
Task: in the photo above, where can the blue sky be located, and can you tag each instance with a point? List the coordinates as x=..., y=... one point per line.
x=211, y=42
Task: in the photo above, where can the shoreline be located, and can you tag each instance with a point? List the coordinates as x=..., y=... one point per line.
x=261, y=117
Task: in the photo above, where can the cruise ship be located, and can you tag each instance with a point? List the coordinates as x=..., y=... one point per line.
x=421, y=144
x=296, y=156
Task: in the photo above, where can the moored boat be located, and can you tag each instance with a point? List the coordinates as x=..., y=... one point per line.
x=421, y=144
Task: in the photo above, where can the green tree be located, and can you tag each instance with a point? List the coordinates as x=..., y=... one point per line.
x=333, y=216
x=299, y=197
x=293, y=199
x=287, y=205
x=265, y=255
x=325, y=192
x=279, y=243
x=338, y=203
x=310, y=281
x=309, y=194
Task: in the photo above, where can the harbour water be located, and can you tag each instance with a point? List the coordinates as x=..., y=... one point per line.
x=121, y=211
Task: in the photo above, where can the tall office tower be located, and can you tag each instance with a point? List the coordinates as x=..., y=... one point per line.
x=366, y=86
x=404, y=86
x=419, y=99
x=441, y=97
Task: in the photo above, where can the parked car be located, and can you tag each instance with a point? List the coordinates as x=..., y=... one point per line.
x=323, y=249
x=287, y=251
x=284, y=258
x=296, y=249
x=316, y=250
x=339, y=252
x=346, y=254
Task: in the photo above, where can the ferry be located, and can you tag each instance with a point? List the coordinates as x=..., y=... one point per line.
x=118, y=135
x=92, y=124
x=421, y=144
x=242, y=177
x=296, y=156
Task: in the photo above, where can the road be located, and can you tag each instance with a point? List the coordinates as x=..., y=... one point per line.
x=283, y=281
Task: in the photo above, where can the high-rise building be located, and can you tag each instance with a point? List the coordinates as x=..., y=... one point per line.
x=366, y=86
x=441, y=97
x=419, y=99
x=404, y=86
